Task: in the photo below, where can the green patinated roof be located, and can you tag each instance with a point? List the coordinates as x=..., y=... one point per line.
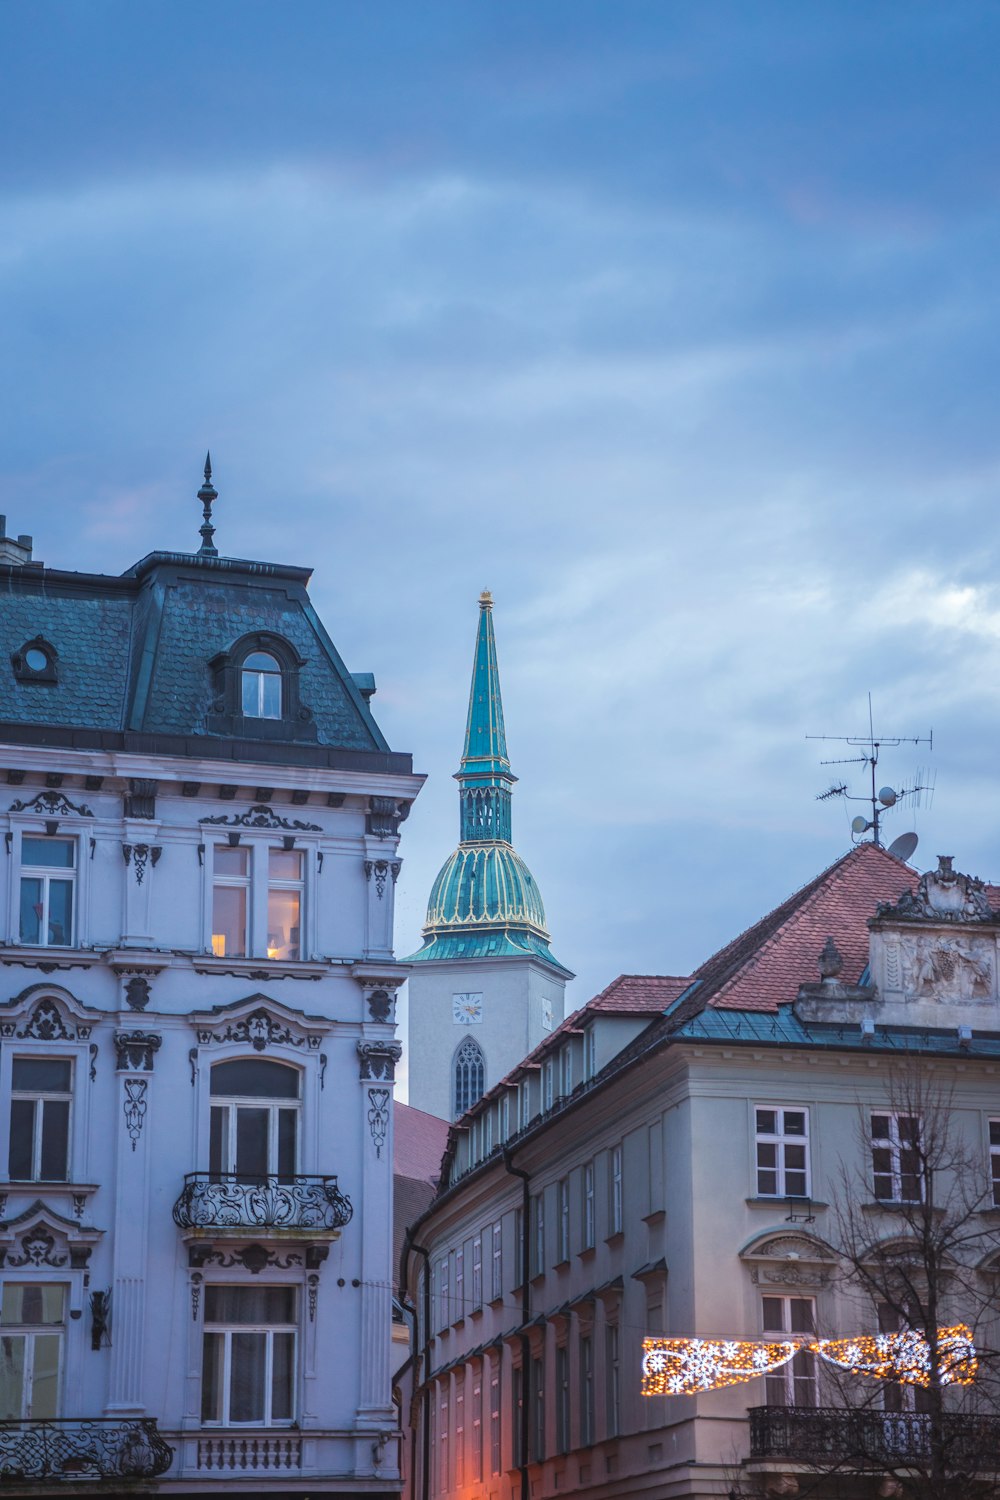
x=484, y=902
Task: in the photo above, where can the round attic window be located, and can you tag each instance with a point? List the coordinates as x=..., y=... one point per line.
x=35, y=659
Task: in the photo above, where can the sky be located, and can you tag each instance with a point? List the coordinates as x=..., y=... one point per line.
x=674, y=324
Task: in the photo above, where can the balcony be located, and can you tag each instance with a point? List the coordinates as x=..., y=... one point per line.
x=826, y=1436
x=72, y=1450
x=230, y=1201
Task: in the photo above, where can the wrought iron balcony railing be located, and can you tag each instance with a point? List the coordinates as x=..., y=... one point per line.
x=230, y=1200
x=73, y=1449
x=821, y=1435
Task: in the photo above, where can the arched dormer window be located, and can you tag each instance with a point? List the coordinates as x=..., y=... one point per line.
x=261, y=683
x=469, y=1075
x=256, y=687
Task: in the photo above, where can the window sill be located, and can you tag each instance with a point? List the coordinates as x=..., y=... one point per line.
x=587, y=1253
x=33, y=956
x=260, y=968
x=476, y=1312
x=496, y=1301
x=763, y=1201
x=561, y=1265
x=657, y=1216
x=895, y=1206
x=615, y=1239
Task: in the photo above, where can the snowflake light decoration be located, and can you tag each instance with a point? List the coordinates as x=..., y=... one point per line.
x=680, y=1367
x=905, y=1356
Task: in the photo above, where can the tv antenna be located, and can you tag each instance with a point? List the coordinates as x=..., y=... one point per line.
x=880, y=800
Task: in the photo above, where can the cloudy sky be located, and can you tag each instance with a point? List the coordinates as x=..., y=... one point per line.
x=675, y=324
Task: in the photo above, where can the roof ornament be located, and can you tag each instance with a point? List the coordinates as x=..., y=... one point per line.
x=486, y=600
x=831, y=961
x=206, y=495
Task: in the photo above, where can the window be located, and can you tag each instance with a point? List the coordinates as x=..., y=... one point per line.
x=230, y=900
x=562, y=1226
x=538, y=1409
x=589, y=1053
x=589, y=1226
x=470, y=1075
x=566, y=1072
x=460, y=1428
x=496, y=1284
x=549, y=1074
x=477, y=1272
x=488, y=1132
x=524, y=1103
x=586, y=1391
x=494, y=1418
x=261, y=686
x=47, y=892
x=613, y=1379
x=249, y=1357
x=617, y=1205
x=896, y=1158
x=538, y=1234
x=897, y=1396
x=459, y=1256
x=995, y=1160
x=519, y=1267
x=254, y=1119
x=562, y=1399
x=41, y=1090
x=477, y=1424
x=284, y=903
x=444, y=1468
x=782, y=1153
x=31, y=1321
x=444, y=1282
x=795, y=1383
x=37, y=661
x=517, y=1408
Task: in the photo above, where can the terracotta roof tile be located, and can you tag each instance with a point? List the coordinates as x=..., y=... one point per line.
x=632, y=993
x=419, y=1140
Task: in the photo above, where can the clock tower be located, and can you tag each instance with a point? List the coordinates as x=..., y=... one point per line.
x=484, y=989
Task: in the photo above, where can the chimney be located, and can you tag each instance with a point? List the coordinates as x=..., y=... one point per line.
x=17, y=552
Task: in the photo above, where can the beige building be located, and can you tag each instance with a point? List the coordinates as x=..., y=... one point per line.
x=677, y=1158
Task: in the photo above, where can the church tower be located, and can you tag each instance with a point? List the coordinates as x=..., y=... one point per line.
x=485, y=988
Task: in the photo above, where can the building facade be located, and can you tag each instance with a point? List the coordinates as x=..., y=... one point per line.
x=485, y=986
x=744, y=1157
x=197, y=993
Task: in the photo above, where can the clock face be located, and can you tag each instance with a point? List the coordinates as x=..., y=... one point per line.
x=547, y=1017
x=467, y=1009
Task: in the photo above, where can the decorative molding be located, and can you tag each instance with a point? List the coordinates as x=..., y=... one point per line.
x=378, y=1060
x=261, y=1031
x=52, y=804
x=381, y=870
x=37, y=1247
x=323, y=1060
x=140, y=854
x=384, y=816
x=135, y=1107
x=140, y=799
x=253, y=1258
x=93, y=1062
x=312, y=1284
x=196, y=1281
x=100, y=1320
x=380, y=1002
x=942, y=895
x=136, y=1050
x=788, y=1276
x=137, y=992
x=46, y=1025
x=261, y=816
x=378, y=1117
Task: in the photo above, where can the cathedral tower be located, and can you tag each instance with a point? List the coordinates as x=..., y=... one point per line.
x=485, y=988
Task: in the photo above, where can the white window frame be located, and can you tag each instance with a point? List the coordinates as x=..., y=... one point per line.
x=563, y=1437
x=589, y=1053
x=549, y=1077
x=477, y=1423
x=28, y=1333
x=72, y=875
x=496, y=1452
x=538, y=1233
x=460, y=1427
x=993, y=1148
x=477, y=1272
x=261, y=674
x=444, y=1292
x=258, y=883
x=893, y=1144
x=780, y=1139
x=225, y=1389
x=589, y=1206
x=459, y=1281
x=233, y=1103
x=41, y=1097
x=790, y=1377
x=282, y=883
x=566, y=1071
x=563, y=1223
x=496, y=1283
x=616, y=1184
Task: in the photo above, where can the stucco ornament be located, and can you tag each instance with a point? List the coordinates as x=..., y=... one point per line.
x=942, y=895
x=948, y=969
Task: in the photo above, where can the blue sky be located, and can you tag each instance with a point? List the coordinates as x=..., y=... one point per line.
x=676, y=325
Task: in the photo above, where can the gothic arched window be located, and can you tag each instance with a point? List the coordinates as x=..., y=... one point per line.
x=470, y=1075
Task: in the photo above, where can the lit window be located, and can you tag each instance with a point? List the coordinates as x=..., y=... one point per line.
x=782, y=1153
x=47, y=892
x=795, y=1383
x=31, y=1317
x=39, y=1119
x=248, y=1363
x=284, y=903
x=261, y=686
x=896, y=1158
x=230, y=898
x=254, y=1119
x=469, y=1075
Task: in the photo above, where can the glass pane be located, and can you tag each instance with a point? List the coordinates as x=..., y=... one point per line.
x=270, y=693
x=251, y=1142
x=774, y=1315
x=11, y=1377
x=765, y=1121
x=286, y=1142
x=284, y=864
x=60, y=913
x=802, y=1315
x=283, y=924
x=211, y=1377
x=229, y=921
x=795, y=1123
x=261, y=661
x=249, y=1304
x=231, y=861
x=11, y=1307
x=45, y=1376
x=283, y=1378
x=53, y=1300
x=22, y=1131
x=247, y=1376
x=31, y=911
x=767, y=1154
x=34, y=1303
x=41, y=1075
x=995, y=1132
x=251, y=694
x=218, y=1132
x=255, y=1078
x=55, y=1140
x=880, y=1127
x=55, y=854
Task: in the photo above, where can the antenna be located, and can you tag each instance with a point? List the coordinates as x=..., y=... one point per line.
x=880, y=799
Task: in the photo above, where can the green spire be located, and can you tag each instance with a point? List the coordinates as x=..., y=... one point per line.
x=484, y=775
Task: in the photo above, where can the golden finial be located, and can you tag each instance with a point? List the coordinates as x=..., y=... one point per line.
x=486, y=600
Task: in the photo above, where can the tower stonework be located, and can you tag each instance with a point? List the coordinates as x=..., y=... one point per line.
x=485, y=988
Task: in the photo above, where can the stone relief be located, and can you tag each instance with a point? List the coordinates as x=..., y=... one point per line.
x=948, y=969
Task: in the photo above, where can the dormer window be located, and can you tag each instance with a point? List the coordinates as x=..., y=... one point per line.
x=261, y=686
x=35, y=662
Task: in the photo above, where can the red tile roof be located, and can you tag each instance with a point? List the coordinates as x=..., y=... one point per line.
x=632, y=994
x=765, y=965
x=419, y=1140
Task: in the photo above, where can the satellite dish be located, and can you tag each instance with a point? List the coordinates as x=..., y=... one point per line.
x=886, y=796
x=859, y=824
x=904, y=846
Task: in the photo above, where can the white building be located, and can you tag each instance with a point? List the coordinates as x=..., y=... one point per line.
x=197, y=994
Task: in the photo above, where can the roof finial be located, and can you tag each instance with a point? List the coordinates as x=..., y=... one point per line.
x=486, y=600
x=206, y=495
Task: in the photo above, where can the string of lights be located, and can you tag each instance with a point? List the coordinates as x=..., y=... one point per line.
x=682, y=1367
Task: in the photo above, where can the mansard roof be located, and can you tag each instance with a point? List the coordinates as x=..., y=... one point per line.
x=138, y=656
